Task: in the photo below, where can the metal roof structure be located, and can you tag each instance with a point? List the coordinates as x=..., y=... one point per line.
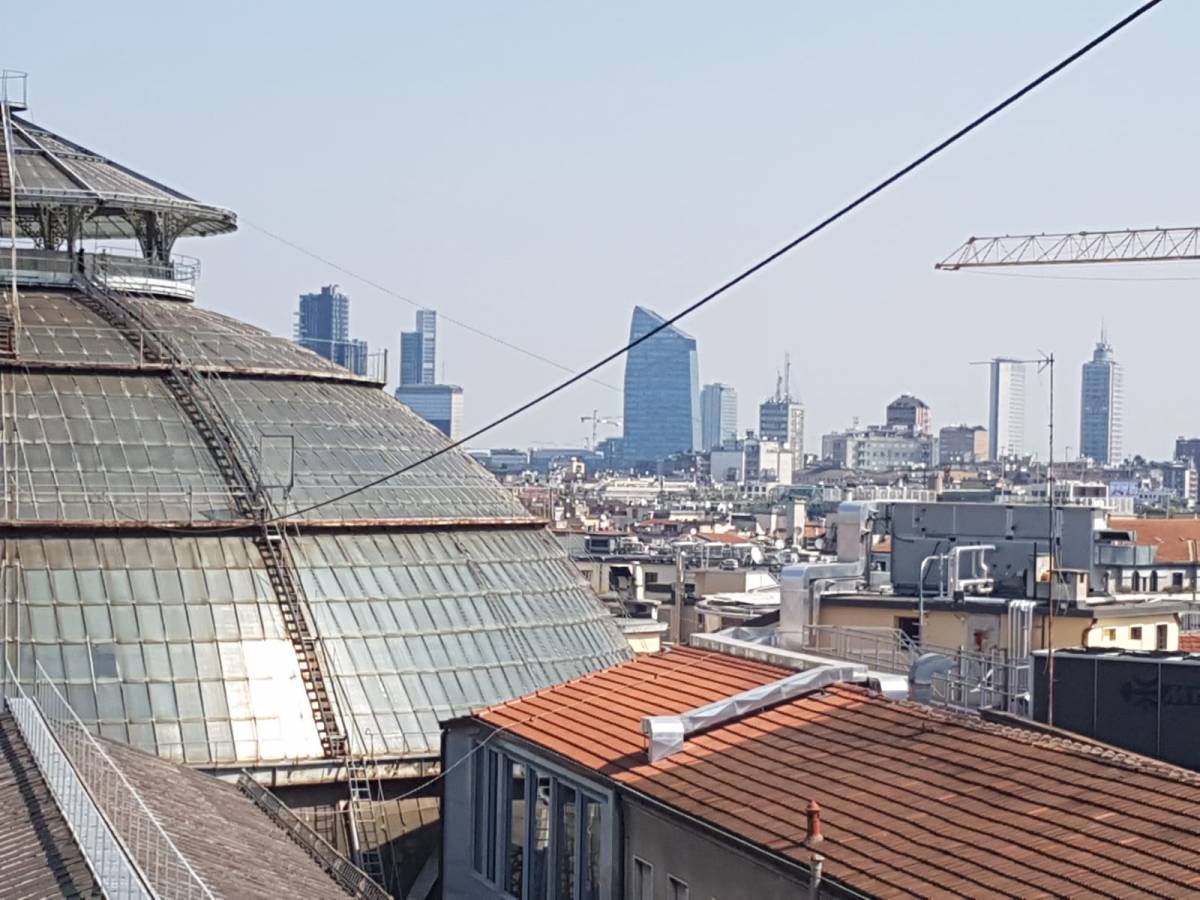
x=914, y=802
x=149, y=450
x=64, y=191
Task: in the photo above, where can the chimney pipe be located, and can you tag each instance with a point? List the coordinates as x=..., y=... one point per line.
x=814, y=836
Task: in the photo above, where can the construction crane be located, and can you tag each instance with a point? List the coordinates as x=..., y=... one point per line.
x=1130, y=245
x=597, y=420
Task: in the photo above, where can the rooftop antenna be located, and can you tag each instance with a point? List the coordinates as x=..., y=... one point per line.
x=787, y=376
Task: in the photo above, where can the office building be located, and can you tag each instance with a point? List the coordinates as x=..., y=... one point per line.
x=1189, y=449
x=877, y=448
x=1006, y=408
x=662, y=392
x=1101, y=406
x=911, y=413
x=781, y=417
x=962, y=444
x=323, y=326
x=418, y=350
x=438, y=404
x=718, y=416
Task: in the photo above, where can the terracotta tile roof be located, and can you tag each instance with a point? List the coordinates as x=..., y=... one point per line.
x=1173, y=537
x=38, y=855
x=722, y=537
x=914, y=802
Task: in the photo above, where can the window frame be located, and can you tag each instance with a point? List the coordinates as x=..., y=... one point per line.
x=585, y=797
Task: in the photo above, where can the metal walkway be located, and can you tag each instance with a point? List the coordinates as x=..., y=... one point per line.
x=191, y=392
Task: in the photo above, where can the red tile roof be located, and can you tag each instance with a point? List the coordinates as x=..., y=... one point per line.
x=1178, y=540
x=722, y=537
x=1190, y=642
x=914, y=802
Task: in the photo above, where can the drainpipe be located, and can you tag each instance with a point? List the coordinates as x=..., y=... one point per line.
x=921, y=592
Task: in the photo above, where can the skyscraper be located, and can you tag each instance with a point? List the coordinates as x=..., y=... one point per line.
x=662, y=392
x=1100, y=407
x=418, y=350
x=1006, y=408
x=781, y=417
x=323, y=326
x=718, y=415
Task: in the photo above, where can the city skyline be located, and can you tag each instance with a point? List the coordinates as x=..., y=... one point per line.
x=765, y=177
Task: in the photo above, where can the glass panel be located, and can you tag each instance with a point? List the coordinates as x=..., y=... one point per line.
x=485, y=813
x=515, y=827
x=539, y=845
x=564, y=822
x=592, y=846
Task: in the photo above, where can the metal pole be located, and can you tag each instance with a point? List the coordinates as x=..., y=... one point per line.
x=1050, y=558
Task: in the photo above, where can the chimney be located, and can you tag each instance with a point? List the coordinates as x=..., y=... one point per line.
x=814, y=837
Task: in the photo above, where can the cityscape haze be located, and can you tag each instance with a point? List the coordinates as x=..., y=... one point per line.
x=802, y=127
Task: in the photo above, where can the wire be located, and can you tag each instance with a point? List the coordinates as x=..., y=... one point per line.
x=752, y=270
x=391, y=293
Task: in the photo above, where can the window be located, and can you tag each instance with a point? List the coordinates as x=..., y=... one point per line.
x=643, y=880
x=651, y=578
x=1110, y=634
x=1177, y=579
x=1160, y=637
x=676, y=889
x=535, y=835
x=1135, y=632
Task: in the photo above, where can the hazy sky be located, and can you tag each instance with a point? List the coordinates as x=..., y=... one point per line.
x=537, y=169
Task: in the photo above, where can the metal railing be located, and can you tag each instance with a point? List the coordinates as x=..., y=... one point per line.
x=14, y=87
x=351, y=878
x=990, y=680
x=116, y=268
x=134, y=856
x=1189, y=620
x=881, y=649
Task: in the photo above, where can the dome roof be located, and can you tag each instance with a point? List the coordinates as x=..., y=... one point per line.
x=110, y=200
x=136, y=577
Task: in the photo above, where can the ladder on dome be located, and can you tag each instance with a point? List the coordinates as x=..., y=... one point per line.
x=190, y=391
x=9, y=308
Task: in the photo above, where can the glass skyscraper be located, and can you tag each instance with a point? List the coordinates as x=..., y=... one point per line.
x=1006, y=408
x=718, y=416
x=1100, y=407
x=323, y=326
x=418, y=350
x=662, y=392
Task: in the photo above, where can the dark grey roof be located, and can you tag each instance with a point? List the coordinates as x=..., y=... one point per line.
x=50, y=170
x=38, y=855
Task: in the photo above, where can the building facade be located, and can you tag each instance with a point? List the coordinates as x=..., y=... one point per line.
x=662, y=392
x=1101, y=410
x=877, y=448
x=418, y=350
x=438, y=404
x=782, y=420
x=323, y=326
x=962, y=444
x=909, y=412
x=718, y=416
x=1006, y=408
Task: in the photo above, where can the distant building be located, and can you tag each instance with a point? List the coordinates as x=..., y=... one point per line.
x=1100, y=408
x=910, y=412
x=1006, y=408
x=962, y=444
x=662, y=392
x=418, y=350
x=781, y=417
x=718, y=415
x=1188, y=448
x=877, y=448
x=438, y=404
x=323, y=326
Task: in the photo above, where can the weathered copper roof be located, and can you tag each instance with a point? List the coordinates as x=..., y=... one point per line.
x=914, y=802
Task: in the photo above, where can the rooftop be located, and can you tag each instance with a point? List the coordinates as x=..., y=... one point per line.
x=915, y=802
x=1176, y=539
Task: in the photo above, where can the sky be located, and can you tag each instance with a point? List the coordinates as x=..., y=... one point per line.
x=537, y=169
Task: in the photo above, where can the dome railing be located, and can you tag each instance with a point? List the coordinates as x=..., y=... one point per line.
x=119, y=270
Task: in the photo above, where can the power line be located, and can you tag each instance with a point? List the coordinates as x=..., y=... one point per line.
x=299, y=248
x=752, y=270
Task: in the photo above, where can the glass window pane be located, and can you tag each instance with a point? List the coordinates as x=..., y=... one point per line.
x=564, y=821
x=539, y=846
x=515, y=827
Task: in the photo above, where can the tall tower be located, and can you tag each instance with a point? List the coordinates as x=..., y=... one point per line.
x=718, y=415
x=323, y=326
x=662, y=392
x=1006, y=408
x=1101, y=405
x=418, y=350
